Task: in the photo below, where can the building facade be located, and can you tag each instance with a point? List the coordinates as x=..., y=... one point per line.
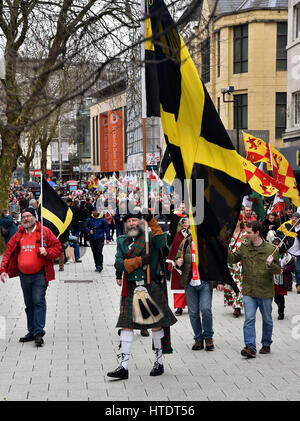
x=245, y=48
x=292, y=133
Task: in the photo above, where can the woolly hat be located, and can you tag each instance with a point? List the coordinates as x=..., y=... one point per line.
x=30, y=210
x=132, y=215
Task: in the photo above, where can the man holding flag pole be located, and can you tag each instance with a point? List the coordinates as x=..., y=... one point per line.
x=30, y=254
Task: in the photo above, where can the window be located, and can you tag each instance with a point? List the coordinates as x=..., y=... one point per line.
x=297, y=108
x=219, y=53
x=281, y=57
x=95, y=141
x=280, y=114
x=240, y=60
x=205, y=60
x=241, y=111
x=297, y=21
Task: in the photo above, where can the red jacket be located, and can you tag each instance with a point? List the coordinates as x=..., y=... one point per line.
x=53, y=247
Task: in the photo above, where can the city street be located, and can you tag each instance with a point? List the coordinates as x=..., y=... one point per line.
x=81, y=346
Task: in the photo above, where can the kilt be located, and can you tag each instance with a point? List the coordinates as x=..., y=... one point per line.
x=157, y=294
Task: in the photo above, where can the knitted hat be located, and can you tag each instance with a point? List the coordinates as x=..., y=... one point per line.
x=30, y=210
x=132, y=215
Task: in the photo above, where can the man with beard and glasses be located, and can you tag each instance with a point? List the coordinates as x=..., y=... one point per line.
x=142, y=304
x=30, y=256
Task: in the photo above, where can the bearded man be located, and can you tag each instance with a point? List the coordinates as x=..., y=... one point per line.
x=142, y=304
x=32, y=260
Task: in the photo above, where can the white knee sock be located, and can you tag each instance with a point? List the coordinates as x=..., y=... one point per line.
x=157, y=335
x=126, y=342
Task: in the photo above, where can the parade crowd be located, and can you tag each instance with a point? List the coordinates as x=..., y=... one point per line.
x=263, y=260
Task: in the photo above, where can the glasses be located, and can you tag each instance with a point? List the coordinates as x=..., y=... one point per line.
x=27, y=216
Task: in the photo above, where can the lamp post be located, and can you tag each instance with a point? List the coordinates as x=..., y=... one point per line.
x=229, y=91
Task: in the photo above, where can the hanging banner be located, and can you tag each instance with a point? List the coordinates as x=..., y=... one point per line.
x=104, y=148
x=115, y=140
x=65, y=151
x=54, y=151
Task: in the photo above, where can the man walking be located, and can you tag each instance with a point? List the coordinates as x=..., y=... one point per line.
x=142, y=304
x=260, y=261
x=98, y=229
x=30, y=258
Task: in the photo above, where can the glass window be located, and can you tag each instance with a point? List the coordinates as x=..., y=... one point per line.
x=205, y=60
x=241, y=111
x=281, y=56
x=240, y=54
x=297, y=21
x=219, y=53
x=297, y=108
x=280, y=124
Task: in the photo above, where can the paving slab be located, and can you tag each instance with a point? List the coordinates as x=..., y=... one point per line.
x=81, y=346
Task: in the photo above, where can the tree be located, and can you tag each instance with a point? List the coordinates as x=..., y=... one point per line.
x=38, y=40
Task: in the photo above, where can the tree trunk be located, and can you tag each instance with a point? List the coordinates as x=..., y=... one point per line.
x=26, y=170
x=44, y=160
x=8, y=162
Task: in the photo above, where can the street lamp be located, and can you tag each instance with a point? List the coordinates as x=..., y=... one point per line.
x=229, y=91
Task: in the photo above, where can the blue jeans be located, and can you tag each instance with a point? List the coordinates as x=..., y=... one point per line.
x=199, y=300
x=250, y=307
x=297, y=270
x=34, y=292
x=76, y=250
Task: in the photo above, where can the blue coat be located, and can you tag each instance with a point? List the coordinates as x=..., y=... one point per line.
x=100, y=227
x=9, y=223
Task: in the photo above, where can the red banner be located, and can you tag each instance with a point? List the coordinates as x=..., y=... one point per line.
x=115, y=140
x=104, y=144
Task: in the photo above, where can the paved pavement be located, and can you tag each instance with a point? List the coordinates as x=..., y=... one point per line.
x=81, y=346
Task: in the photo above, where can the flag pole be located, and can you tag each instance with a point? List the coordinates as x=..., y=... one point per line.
x=144, y=115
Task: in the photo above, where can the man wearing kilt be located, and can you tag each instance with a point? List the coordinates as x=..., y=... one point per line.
x=142, y=304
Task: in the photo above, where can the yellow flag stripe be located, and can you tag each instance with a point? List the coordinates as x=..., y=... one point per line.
x=60, y=225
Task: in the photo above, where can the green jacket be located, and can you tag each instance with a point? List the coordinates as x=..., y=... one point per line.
x=155, y=243
x=257, y=278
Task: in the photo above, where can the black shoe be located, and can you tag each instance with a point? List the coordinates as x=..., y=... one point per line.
x=27, y=338
x=178, y=312
x=157, y=369
x=280, y=316
x=98, y=269
x=119, y=373
x=39, y=341
x=78, y=261
x=86, y=245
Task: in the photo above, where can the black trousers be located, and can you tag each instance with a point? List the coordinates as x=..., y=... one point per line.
x=97, y=247
x=279, y=300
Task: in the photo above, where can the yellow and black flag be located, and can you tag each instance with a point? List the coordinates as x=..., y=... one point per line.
x=56, y=214
x=197, y=142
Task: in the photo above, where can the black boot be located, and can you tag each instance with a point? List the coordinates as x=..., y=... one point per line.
x=119, y=373
x=39, y=341
x=157, y=369
x=27, y=338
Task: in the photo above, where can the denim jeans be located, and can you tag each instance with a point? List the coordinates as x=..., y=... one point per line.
x=199, y=300
x=76, y=251
x=250, y=307
x=34, y=292
x=297, y=270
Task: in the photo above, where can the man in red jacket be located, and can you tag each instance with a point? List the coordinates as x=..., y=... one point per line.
x=26, y=257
